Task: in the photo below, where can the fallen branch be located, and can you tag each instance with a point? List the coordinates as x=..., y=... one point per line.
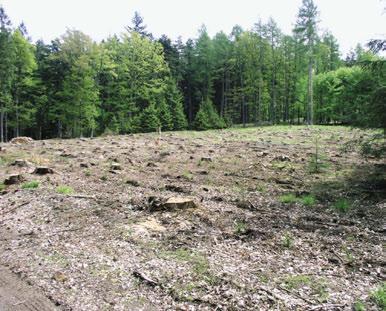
x=326, y=307
x=145, y=278
x=14, y=208
x=296, y=295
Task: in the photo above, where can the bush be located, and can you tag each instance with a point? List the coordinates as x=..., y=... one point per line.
x=2, y=186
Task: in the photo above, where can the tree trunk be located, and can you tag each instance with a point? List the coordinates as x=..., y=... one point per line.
x=310, y=108
x=2, y=124
x=222, y=95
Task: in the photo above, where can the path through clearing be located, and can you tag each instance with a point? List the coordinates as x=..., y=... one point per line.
x=16, y=295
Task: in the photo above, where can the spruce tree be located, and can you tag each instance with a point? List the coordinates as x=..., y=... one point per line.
x=149, y=119
x=164, y=116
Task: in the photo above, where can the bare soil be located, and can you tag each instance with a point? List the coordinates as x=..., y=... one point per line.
x=268, y=230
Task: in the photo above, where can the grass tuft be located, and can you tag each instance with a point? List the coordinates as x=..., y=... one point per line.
x=288, y=198
x=30, y=185
x=342, y=205
x=64, y=190
x=308, y=200
x=379, y=297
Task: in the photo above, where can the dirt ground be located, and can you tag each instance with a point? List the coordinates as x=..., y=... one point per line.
x=274, y=228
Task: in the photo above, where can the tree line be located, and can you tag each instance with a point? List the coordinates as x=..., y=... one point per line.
x=134, y=82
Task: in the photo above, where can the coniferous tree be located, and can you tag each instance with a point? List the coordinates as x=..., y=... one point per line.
x=306, y=31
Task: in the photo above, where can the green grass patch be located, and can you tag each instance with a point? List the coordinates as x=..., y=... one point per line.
x=2, y=187
x=308, y=200
x=288, y=198
x=64, y=190
x=30, y=185
x=297, y=281
x=240, y=227
x=379, y=297
x=359, y=306
x=342, y=205
x=198, y=262
x=287, y=240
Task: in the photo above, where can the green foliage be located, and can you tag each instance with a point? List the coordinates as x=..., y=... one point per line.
x=288, y=198
x=64, y=190
x=287, y=240
x=208, y=118
x=240, y=227
x=2, y=187
x=149, y=119
x=342, y=205
x=359, y=306
x=297, y=281
x=308, y=200
x=318, y=162
x=30, y=185
x=379, y=297
x=164, y=116
x=76, y=87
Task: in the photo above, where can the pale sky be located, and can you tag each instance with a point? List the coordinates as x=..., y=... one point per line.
x=350, y=21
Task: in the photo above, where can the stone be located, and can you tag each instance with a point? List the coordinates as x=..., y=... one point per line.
x=282, y=158
x=175, y=188
x=206, y=159
x=115, y=166
x=133, y=183
x=14, y=179
x=21, y=140
x=178, y=203
x=60, y=277
x=43, y=170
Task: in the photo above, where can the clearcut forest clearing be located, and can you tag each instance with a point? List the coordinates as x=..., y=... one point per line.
x=237, y=219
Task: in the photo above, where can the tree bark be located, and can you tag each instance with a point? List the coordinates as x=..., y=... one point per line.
x=310, y=104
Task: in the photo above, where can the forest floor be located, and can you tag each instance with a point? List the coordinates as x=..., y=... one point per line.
x=269, y=229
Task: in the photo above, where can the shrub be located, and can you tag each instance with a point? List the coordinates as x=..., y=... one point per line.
x=30, y=185
x=64, y=190
x=2, y=186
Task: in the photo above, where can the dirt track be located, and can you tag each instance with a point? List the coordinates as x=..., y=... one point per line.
x=104, y=247
x=16, y=295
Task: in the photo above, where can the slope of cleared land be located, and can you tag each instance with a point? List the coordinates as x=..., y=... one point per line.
x=271, y=229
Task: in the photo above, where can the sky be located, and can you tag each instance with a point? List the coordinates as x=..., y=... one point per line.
x=350, y=21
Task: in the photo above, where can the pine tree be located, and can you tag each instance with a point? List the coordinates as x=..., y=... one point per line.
x=306, y=30
x=208, y=118
x=138, y=26
x=149, y=119
x=6, y=70
x=164, y=116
